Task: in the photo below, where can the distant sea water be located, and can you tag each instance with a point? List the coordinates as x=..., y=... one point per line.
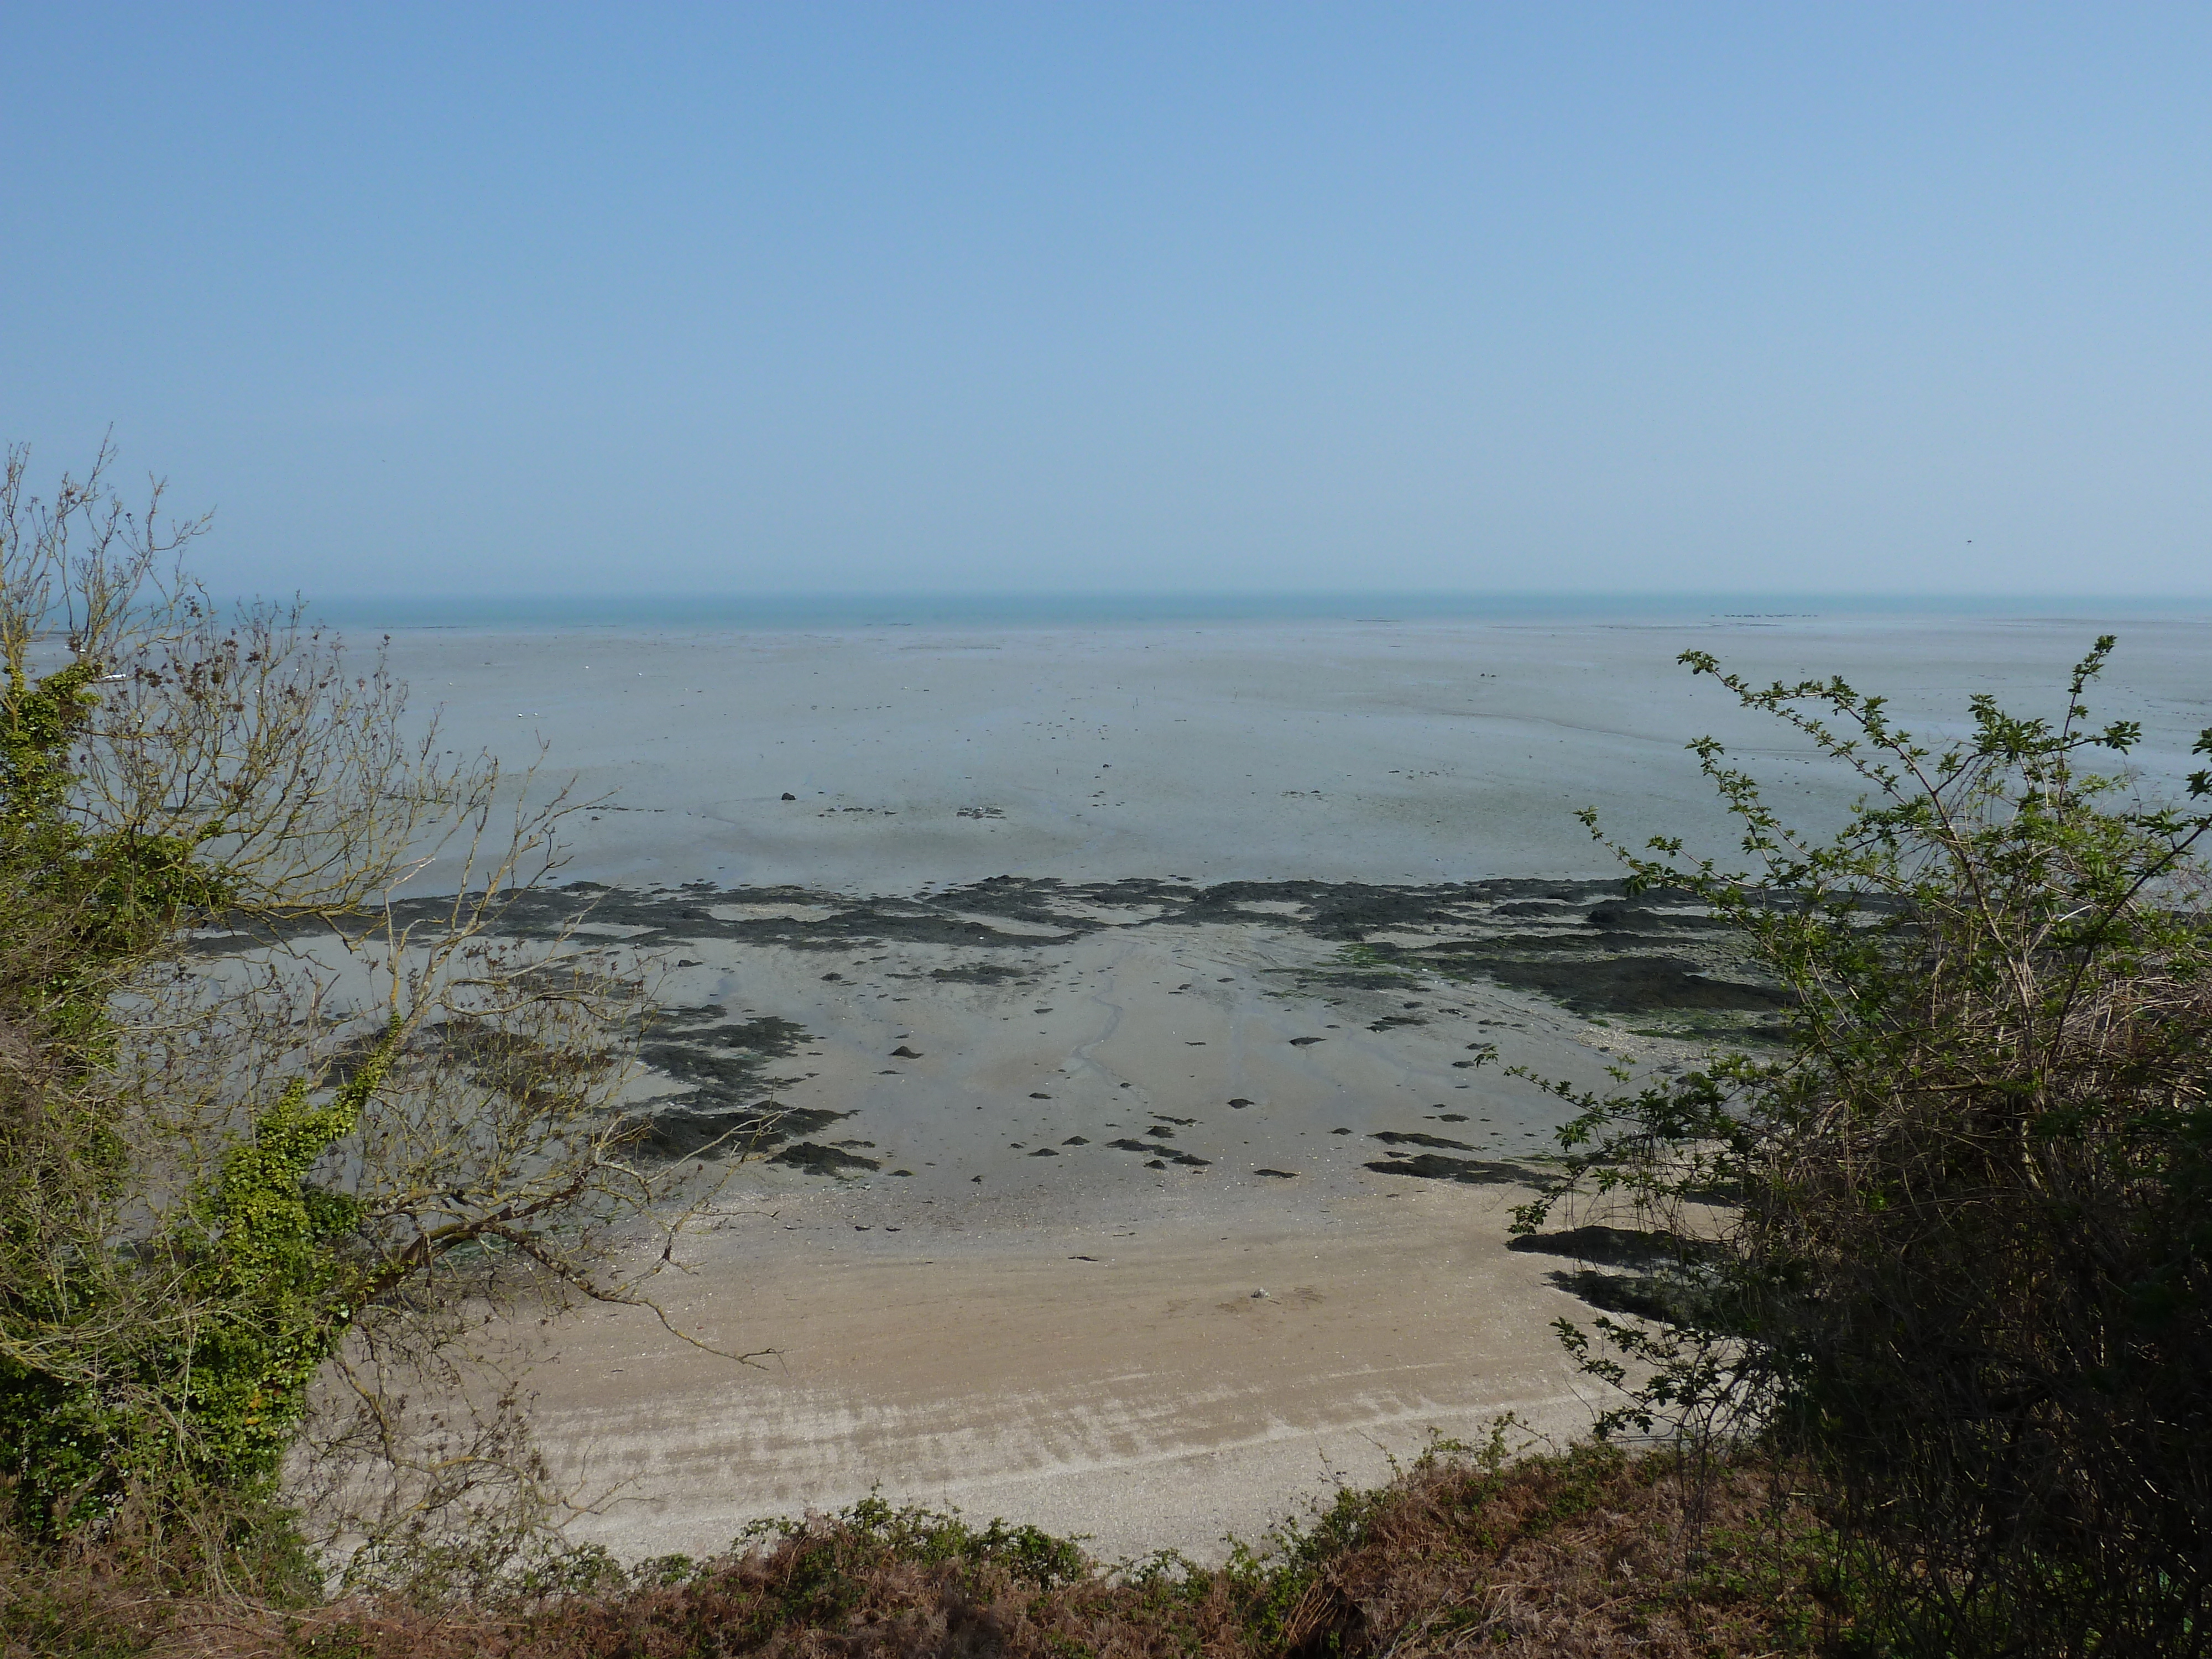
x=841, y=611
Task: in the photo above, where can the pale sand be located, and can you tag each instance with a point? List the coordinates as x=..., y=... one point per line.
x=1146, y=1398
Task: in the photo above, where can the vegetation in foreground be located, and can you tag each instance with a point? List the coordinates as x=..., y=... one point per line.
x=275, y=1167
x=1950, y=1253
x=1593, y=1552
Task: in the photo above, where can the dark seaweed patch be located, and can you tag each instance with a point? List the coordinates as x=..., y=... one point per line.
x=1621, y=917
x=1473, y=1172
x=722, y=1061
x=822, y=1160
x=1353, y=979
x=679, y=1132
x=1592, y=945
x=1629, y=984
x=977, y=973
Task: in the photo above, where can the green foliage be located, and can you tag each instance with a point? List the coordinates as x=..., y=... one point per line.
x=1954, y=1244
x=94, y=902
x=269, y=1254
x=872, y=1529
x=1272, y=1583
x=232, y=1158
x=212, y=1398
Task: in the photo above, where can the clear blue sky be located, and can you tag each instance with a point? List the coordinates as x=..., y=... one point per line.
x=824, y=297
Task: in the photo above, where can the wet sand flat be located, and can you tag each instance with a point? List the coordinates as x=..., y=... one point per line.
x=1333, y=752
x=1003, y=1233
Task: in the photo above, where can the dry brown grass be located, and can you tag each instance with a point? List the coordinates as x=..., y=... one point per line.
x=1590, y=1554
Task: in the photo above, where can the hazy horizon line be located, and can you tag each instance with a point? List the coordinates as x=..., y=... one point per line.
x=893, y=607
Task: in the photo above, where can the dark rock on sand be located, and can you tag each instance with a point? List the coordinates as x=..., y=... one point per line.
x=1615, y=1247
x=1643, y=1295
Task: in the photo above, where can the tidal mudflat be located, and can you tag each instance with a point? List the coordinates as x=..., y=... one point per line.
x=1119, y=1022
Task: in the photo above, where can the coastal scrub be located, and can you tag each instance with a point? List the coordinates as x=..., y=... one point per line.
x=1949, y=1250
x=264, y=1146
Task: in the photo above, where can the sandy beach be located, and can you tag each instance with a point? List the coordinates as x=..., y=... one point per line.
x=1113, y=1010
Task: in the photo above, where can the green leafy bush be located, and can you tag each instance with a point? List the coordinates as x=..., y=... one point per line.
x=1955, y=1246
